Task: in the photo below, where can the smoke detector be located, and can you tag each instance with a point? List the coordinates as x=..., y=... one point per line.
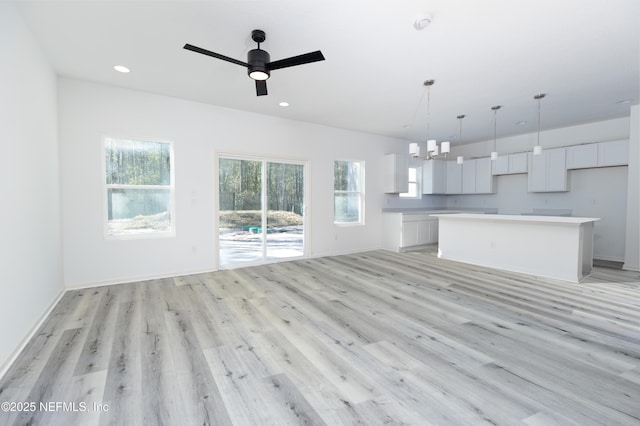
x=422, y=22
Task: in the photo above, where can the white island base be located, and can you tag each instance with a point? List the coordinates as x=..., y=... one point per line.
x=547, y=246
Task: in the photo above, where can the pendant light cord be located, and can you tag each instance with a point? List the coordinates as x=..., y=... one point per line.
x=495, y=124
x=539, y=99
x=428, y=112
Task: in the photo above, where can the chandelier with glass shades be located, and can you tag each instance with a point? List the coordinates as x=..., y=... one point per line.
x=431, y=150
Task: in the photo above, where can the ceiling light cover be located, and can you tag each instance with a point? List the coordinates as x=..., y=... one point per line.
x=258, y=75
x=422, y=22
x=121, y=68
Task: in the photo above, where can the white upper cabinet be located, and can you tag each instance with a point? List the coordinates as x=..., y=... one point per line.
x=602, y=154
x=469, y=177
x=454, y=177
x=434, y=177
x=501, y=165
x=472, y=177
x=484, y=178
x=510, y=164
x=614, y=153
x=548, y=171
x=396, y=173
x=582, y=156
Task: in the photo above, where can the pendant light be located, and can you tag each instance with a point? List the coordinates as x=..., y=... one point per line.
x=433, y=150
x=460, y=158
x=494, y=153
x=537, y=150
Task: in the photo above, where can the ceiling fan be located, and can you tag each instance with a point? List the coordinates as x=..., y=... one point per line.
x=258, y=61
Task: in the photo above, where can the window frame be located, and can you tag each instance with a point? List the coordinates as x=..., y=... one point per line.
x=418, y=183
x=360, y=193
x=107, y=186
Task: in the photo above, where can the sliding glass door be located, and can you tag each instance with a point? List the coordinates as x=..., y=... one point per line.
x=261, y=210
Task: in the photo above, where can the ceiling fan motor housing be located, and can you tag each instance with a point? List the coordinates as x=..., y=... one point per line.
x=258, y=60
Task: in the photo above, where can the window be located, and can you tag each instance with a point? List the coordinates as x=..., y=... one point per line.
x=348, y=192
x=414, y=184
x=138, y=188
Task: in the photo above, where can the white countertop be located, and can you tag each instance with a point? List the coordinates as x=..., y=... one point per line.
x=517, y=218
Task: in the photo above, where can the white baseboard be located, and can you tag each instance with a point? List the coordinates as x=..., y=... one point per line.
x=135, y=279
x=13, y=356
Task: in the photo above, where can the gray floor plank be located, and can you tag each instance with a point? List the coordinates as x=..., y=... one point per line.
x=365, y=338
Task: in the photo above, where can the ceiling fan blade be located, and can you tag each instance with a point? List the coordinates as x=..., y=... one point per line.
x=214, y=54
x=296, y=60
x=261, y=87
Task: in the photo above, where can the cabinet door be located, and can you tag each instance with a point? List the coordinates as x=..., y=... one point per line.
x=440, y=177
x=615, y=153
x=537, y=179
x=517, y=163
x=548, y=171
x=434, y=177
x=409, y=234
x=469, y=177
x=433, y=231
x=396, y=173
x=556, y=169
x=424, y=232
x=501, y=165
x=582, y=156
x=454, y=177
x=484, y=177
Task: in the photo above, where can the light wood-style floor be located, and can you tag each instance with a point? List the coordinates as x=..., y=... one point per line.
x=370, y=338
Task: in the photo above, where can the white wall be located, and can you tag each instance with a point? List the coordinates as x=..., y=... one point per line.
x=30, y=247
x=598, y=193
x=87, y=111
x=632, y=248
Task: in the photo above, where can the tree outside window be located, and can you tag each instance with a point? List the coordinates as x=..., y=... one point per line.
x=348, y=192
x=139, y=189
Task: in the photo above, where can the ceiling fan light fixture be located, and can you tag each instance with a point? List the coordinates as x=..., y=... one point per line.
x=258, y=75
x=258, y=60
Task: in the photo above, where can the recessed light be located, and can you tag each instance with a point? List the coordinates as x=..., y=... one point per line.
x=121, y=68
x=521, y=123
x=406, y=126
x=284, y=104
x=624, y=101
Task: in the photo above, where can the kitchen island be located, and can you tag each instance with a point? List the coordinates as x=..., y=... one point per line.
x=556, y=247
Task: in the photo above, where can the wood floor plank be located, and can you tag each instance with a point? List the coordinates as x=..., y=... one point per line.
x=123, y=391
x=97, y=349
x=201, y=401
x=358, y=339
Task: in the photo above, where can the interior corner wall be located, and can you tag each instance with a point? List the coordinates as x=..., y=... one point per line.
x=632, y=243
x=88, y=111
x=30, y=247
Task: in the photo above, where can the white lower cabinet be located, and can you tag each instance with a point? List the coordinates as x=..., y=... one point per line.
x=405, y=231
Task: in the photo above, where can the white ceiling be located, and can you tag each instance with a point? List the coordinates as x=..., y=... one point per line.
x=583, y=53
